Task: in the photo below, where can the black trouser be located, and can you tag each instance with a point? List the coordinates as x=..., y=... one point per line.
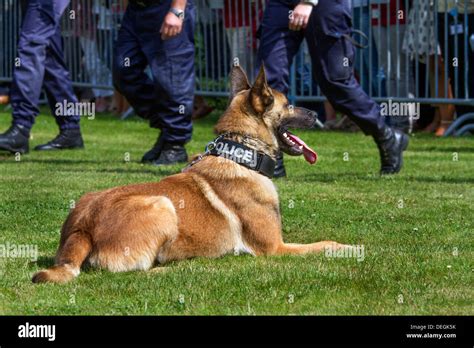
x=332, y=56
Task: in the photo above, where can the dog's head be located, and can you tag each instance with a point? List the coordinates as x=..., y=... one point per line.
x=264, y=113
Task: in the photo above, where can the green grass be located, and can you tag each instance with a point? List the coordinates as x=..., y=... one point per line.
x=417, y=230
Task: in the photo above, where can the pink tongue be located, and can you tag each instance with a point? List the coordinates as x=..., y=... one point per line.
x=309, y=154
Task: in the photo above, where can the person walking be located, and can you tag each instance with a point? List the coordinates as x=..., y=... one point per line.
x=159, y=34
x=40, y=63
x=327, y=27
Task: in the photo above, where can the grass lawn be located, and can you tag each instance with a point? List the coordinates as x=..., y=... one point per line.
x=416, y=229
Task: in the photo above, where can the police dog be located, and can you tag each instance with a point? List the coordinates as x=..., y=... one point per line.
x=214, y=207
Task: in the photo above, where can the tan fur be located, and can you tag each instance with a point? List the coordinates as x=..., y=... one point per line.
x=215, y=207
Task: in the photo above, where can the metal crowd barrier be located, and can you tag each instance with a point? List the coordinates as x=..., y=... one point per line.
x=388, y=68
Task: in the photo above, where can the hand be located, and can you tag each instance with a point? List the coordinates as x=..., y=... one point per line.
x=172, y=26
x=300, y=16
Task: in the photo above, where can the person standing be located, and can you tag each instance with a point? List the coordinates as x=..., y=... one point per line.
x=40, y=62
x=159, y=34
x=327, y=27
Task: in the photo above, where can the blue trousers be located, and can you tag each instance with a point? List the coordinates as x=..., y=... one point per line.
x=166, y=97
x=40, y=63
x=332, y=56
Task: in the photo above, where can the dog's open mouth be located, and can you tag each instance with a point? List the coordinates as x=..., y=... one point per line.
x=297, y=147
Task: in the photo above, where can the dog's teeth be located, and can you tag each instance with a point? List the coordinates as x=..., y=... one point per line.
x=301, y=147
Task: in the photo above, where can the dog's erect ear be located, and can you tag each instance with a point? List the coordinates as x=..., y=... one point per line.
x=238, y=81
x=261, y=96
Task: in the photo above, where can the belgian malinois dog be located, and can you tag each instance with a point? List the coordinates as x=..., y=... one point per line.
x=223, y=202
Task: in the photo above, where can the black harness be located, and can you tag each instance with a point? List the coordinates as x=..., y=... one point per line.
x=241, y=154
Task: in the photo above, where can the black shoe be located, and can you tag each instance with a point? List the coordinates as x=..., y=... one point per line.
x=15, y=139
x=153, y=154
x=66, y=139
x=280, y=171
x=171, y=154
x=391, y=144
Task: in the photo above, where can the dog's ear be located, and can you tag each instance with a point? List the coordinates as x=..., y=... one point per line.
x=238, y=81
x=261, y=96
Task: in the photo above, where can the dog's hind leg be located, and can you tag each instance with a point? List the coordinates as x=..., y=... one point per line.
x=134, y=235
x=69, y=258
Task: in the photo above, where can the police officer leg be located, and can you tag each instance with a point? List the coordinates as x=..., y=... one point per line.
x=37, y=28
x=332, y=55
x=129, y=65
x=58, y=86
x=172, y=67
x=278, y=46
x=129, y=75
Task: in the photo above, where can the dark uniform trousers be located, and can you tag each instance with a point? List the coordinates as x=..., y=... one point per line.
x=332, y=56
x=40, y=63
x=165, y=98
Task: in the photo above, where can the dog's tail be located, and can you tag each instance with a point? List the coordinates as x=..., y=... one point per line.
x=71, y=254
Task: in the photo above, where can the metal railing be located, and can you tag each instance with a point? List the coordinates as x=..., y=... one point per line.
x=391, y=67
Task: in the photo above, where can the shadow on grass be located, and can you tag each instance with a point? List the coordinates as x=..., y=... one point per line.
x=63, y=161
x=52, y=161
x=45, y=261
x=148, y=170
x=445, y=149
x=161, y=172
x=332, y=177
x=427, y=179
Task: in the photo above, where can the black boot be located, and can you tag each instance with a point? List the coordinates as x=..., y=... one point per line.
x=153, y=154
x=66, y=139
x=280, y=171
x=391, y=144
x=15, y=139
x=171, y=154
